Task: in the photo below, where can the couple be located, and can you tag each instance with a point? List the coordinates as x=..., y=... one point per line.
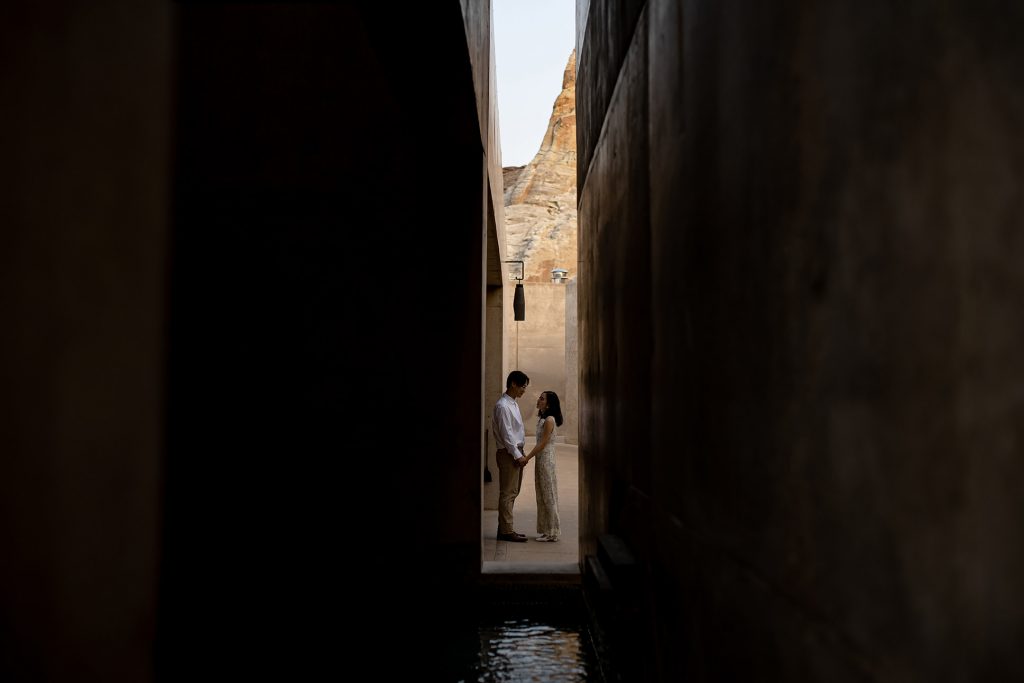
x=510, y=435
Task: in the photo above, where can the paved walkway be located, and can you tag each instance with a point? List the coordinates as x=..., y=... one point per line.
x=560, y=557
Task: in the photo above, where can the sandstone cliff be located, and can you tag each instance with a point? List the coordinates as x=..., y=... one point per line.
x=540, y=198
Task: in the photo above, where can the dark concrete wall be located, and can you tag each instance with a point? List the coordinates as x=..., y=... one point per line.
x=227, y=329
x=84, y=134
x=800, y=378
x=318, y=318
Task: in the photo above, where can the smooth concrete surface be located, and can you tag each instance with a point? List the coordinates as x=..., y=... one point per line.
x=541, y=346
x=84, y=198
x=800, y=372
x=520, y=557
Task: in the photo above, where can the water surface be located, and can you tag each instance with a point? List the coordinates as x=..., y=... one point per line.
x=533, y=649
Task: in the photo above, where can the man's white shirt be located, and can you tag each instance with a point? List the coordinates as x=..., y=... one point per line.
x=507, y=426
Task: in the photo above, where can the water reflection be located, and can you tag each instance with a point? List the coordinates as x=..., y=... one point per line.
x=532, y=650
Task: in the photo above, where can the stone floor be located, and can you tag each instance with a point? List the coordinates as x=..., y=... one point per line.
x=560, y=557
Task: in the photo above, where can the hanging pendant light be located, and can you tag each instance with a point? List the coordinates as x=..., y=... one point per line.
x=519, y=299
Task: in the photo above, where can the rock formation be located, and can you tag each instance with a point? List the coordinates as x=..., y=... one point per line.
x=540, y=198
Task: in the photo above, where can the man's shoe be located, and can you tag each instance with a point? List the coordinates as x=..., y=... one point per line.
x=512, y=538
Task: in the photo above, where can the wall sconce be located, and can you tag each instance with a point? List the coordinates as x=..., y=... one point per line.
x=559, y=275
x=519, y=300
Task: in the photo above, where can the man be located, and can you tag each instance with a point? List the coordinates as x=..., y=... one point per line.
x=510, y=435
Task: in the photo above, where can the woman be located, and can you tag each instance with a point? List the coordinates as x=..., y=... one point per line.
x=549, y=415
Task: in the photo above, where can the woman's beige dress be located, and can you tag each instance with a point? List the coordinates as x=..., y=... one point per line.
x=546, y=484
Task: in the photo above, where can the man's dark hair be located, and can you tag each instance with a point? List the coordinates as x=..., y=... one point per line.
x=518, y=377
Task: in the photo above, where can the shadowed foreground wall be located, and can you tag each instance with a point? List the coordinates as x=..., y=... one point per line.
x=807, y=424
x=311, y=489
x=84, y=197
x=213, y=296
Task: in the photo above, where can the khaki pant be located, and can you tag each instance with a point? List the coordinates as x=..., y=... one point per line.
x=510, y=478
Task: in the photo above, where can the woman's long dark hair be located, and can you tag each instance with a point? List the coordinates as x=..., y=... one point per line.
x=554, y=408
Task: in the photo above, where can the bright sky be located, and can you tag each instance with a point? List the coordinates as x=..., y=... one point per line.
x=532, y=43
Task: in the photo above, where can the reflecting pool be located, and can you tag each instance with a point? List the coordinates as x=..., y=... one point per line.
x=530, y=649
x=519, y=633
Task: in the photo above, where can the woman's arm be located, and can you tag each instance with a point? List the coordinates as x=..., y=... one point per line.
x=545, y=436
